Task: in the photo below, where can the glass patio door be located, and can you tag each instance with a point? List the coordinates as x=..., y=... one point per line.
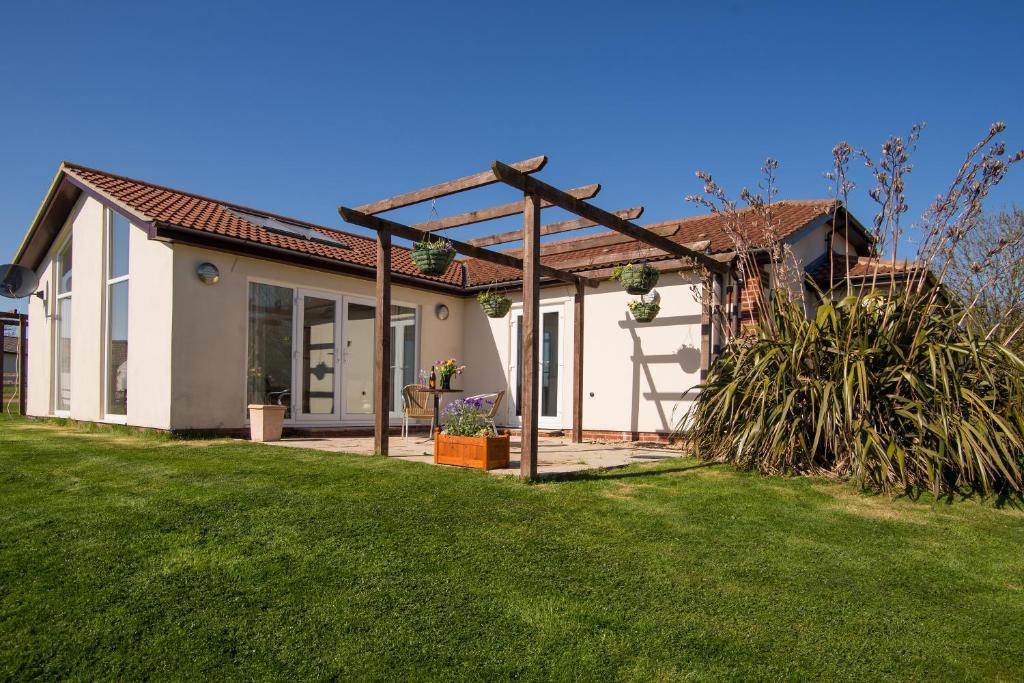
x=549, y=362
x=359, y=357
x=317, y=357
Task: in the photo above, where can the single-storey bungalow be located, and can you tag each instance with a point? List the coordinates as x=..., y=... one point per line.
x=166, y=309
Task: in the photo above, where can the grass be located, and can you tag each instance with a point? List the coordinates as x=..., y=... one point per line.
x=129, y=556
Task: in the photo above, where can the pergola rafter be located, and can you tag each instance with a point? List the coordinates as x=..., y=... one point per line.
x=536, y=196
x=511, y=209
x=551, y=228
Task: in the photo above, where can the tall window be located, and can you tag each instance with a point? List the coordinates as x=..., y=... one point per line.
x=270, y=345
x=116, y=372
x=62, y=352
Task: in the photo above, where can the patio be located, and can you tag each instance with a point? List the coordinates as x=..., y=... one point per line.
x=555, y=456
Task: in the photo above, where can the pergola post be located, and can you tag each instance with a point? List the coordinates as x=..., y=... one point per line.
x=531, y=341
x=23, y=363
x=737, y=310
x=577, y=365
x=382, y=356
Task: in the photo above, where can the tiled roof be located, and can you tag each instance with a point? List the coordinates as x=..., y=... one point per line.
x=156, y=203
x=856, y=267
x=608, y=249
x=187, y=210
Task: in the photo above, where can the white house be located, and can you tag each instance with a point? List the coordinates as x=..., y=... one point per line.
x=165, y=309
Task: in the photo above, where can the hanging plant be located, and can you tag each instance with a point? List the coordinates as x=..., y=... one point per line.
x=495, y=304
x=644, y=311
x=636, y=279
x=432, y=257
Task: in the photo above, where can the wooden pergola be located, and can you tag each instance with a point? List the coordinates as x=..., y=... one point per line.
x=537, y=195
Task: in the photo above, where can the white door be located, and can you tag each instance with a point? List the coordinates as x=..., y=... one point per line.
x=550, y=366
x=358, y=358
x=359, y=355
x=317, y=357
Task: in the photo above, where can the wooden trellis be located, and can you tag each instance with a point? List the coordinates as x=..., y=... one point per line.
x=537, y=195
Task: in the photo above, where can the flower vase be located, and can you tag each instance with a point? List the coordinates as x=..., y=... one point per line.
x=446, y=382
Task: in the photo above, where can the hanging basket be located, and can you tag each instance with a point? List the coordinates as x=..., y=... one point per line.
x=495, y=305
x=432, y=259
x=644, y=312
x=636, y=279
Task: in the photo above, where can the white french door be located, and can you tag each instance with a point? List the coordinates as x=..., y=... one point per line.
x=317, y=357
x=358, y=355
x=550, y=366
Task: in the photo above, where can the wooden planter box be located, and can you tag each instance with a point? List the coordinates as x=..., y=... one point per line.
x=481, y=452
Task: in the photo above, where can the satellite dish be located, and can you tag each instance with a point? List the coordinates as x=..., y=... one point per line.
x=17, y=282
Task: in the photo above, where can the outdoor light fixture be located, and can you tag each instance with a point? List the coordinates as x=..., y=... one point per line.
x=441, y=311
x=208, y=273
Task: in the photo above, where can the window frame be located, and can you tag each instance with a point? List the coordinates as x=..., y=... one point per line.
x=65, y=246
x=343, y=296
x=108, y=285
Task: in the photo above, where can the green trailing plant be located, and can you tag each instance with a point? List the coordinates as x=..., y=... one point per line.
x=432, y=257
x=885, y=379
x=637, y=279
x=495, y=304
x=644, y=311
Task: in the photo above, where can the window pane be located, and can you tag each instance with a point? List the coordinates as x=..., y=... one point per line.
x=403, y=352
x=549, y=366
x=270, y=345
x=318, y=356
x=119, y=235
x=359, y=358
x=117, y=350
x=64, y=274
x=519, y=364
x=62, y=398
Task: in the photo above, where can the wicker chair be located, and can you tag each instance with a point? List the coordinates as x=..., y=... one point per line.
x=417, y=403
x=496, y=397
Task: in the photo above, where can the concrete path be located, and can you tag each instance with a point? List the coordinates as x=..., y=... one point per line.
x=555, y=455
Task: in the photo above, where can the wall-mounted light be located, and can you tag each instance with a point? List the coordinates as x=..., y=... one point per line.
x=441, y=311
x=208, y=273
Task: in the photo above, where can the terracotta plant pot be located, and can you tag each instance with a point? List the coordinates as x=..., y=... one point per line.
x=496, y=306
x=639, y=279
x=480, y=452
x=644, y=312
x=266, y=422
x=432, y=261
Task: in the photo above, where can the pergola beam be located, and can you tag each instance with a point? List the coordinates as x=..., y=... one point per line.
x=379, y=224
x=552, y=228
x=449, y=188
x=511, y=176
x=510, y=209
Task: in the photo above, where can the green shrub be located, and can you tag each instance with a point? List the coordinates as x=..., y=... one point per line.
x=892, y=391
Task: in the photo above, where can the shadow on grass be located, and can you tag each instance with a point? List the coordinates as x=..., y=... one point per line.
x=625, y=473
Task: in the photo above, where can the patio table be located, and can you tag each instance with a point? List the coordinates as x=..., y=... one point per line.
x=437, y=403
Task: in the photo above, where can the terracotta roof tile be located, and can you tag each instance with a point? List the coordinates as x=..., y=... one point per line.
x=187, y=210
x=609, y=249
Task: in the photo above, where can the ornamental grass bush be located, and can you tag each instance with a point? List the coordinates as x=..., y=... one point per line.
x=890, y=391
x=892, y=380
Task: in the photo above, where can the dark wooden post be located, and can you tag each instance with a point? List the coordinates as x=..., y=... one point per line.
x=23, y=365
x=3, y=363
x=382, y=333
x=577, y=365
x=737, y=310
x=706, y=298
x=531, y=340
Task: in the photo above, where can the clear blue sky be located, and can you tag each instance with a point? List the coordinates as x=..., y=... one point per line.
x=296, y=107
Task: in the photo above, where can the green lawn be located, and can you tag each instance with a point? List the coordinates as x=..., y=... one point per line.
x=127, y=556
